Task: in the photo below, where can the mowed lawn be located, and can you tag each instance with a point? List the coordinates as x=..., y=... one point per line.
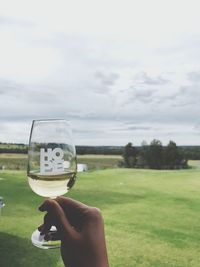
x=152, y=218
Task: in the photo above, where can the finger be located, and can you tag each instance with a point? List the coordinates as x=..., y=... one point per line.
x=75, y=211
x=46, y=226
x=40, y=227
x=52, y=236
x=71, y=203
x=57, y=214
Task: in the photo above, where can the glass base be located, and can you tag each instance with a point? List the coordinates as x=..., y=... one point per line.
x=39, y=241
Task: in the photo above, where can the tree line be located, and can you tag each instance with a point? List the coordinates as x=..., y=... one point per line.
x=13, y=148
x=154, y=156
x=143, y=153
x=81, y=150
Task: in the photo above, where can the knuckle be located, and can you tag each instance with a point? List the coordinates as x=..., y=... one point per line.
x=51, y=205
x=50, y=202
x=95, y=213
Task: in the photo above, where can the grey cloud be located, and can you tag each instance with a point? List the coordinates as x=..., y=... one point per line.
x=85, y=116
x=143, y=94
x=42, y=101
x=107, y=79
x=8, y=21
x=146, y=128
x=94, y=52
x=25, y=102
x=8, y=87
x=194, y=76
x=132, y=128
x=187, y=96
x=167, y=99
x=146, y=79
x=89, y=131
x=11, y=89
x=103, y=82
x=182, y=104
x=140, y=94
x=197, y=127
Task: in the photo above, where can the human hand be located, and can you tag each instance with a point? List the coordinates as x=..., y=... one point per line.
x=80, y=229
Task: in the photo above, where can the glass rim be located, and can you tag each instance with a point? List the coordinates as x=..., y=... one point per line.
x=51, y=119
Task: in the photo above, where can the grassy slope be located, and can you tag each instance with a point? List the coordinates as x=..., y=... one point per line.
x=151, y=217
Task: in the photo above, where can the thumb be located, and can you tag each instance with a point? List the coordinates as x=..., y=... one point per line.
x=57, y=214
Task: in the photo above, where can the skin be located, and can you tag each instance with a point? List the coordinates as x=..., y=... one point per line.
x=80, y=229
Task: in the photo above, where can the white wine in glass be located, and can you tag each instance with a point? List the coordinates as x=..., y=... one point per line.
x=51, y=165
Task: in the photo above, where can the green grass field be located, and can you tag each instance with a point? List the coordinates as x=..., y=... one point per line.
x=152, y=218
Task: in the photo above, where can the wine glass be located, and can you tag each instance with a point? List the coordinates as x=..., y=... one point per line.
x=51, y=166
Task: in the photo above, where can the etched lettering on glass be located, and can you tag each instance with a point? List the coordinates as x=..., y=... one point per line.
x=51, y=160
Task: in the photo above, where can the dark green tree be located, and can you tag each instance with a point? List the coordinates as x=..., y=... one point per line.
x=154, y=155
x=142, y=156
x=130, y=155
x=172, y=157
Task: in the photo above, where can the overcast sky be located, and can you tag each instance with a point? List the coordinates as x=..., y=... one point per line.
x=119, y=70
